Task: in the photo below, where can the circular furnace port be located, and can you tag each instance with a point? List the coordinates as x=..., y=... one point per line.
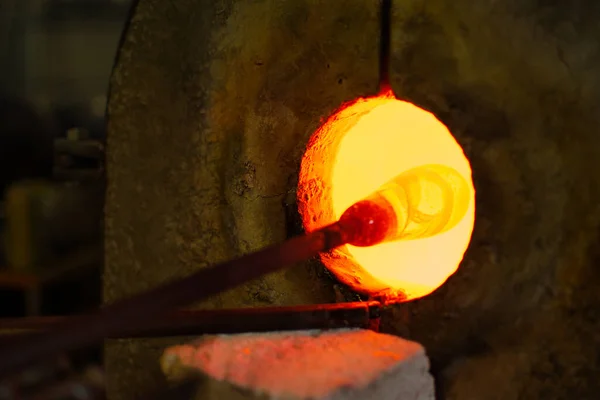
x=362, y=146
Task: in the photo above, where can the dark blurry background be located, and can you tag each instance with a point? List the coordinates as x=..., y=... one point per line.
x=55, y=61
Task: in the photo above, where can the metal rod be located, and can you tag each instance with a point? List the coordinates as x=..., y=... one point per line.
x=385, y=45
x=130, y=314
x=228, y=321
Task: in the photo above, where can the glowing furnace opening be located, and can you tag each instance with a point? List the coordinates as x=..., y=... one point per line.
x=361, y=147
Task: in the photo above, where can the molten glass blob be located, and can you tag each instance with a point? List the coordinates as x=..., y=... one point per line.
x=417, y=204
x=402, y=161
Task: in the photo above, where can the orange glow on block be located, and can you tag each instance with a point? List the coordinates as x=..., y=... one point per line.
x=392, y=174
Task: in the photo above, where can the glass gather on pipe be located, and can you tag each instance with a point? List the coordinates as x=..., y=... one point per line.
x=417, y=204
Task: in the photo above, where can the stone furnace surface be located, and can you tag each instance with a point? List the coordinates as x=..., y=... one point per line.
x=212, y=104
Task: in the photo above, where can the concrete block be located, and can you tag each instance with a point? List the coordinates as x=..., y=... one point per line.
x=349, y=364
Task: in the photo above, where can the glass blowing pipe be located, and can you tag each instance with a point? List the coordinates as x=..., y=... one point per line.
x=418, y=203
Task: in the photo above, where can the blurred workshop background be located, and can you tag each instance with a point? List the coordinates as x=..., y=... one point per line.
x=55, y=61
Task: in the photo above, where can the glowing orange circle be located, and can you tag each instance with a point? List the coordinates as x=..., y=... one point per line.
x=359, y=148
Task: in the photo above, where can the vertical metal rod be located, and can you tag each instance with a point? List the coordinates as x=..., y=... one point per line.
x=385, y=45
x=129, y=314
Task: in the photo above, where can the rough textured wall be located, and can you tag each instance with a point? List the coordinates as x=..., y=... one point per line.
x=211, y=106
x=517, y=83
